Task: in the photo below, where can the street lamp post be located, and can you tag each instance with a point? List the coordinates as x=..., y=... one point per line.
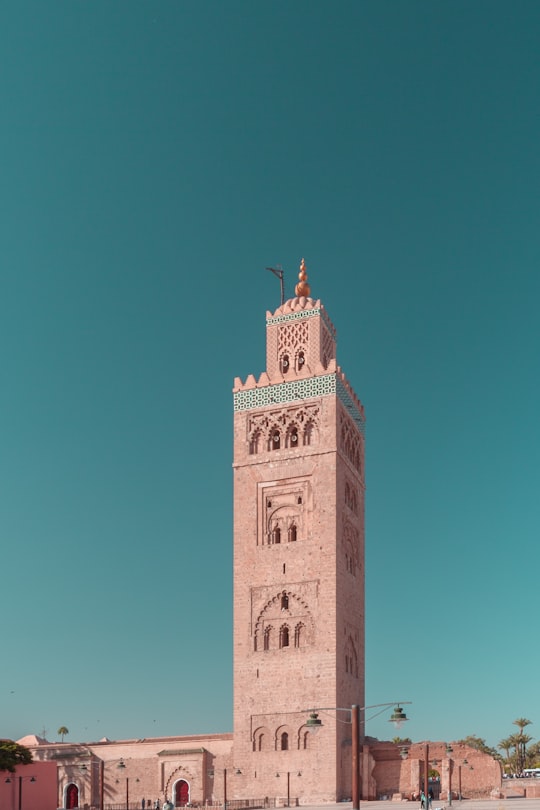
x=20, y=780
x=465, y=762
x=449, y=751
x=398, y=717
x=122, y=765
x=289, y=786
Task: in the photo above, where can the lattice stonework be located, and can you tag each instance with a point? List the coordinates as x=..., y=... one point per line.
x=327, y=348
x=298, y=390
x=349, y=443
x=304, y=313
x=293, y=336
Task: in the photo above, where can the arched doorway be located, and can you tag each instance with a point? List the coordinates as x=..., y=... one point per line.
x=181, y=793
x=72, y=796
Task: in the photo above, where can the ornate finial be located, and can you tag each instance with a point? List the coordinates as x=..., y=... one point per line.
x=302, y=288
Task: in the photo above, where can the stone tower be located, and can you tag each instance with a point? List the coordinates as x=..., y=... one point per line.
x=298, y=561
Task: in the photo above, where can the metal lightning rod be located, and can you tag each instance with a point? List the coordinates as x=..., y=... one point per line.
x=278, y=271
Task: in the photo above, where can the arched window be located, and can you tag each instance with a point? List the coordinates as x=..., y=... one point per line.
x=291, y=533
x=284, y=364
x=308, y=433
x=267, y=637
x=298, y=635
x=305, y=739
x=300, y=361
x=293, y=437
x=284, y=741
x=275, y=440
x=276, y=535
x=254, y=445
x=284, y=636
x=284, y=601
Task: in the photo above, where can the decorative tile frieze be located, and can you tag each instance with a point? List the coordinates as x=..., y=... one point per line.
x=295, y=390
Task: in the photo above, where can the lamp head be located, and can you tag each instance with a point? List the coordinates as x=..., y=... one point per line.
x=313, y=723
x=398, y=717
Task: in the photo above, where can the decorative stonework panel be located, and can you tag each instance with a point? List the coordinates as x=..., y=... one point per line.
x=295, y=390
x=302, y=315
x=351, y=546
x=284, y=511
x=350, y=442
x=293, y=336
x=282, y=429
x=328, y=348
x=284, y=622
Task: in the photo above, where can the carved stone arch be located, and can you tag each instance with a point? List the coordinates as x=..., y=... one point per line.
x=299, y=634
x=262, y=739
x=302, y=737
x=255, y=442
x=180, y=772
x=284, y=362
x=310, y=433
x=292, y=436
x=275, y=438
x=284, y=636
x=283, y=739
x=350, y=543
x=281, y=518
x=273, y=615
x=300, y=358
x=351, y=658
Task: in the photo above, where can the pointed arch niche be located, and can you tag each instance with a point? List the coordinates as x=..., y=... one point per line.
x=285, y=624
x=285, y=513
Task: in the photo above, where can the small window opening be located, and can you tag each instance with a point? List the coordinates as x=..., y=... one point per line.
x=284, y=601
x=284, y=741
x=292, y=533
x=284, y=637
x=267, y=638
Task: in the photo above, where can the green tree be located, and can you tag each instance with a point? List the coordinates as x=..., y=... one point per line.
x=63, y=731
x=533, y=755
x=13, y=754
x=402, y=740
x=480, y=744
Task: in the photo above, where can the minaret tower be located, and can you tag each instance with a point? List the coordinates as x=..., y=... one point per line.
x=298, y=561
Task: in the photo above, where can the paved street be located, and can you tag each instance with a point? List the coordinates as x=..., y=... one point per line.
x=466, y=804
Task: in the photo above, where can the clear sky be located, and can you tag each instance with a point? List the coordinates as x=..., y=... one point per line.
x=156, y=157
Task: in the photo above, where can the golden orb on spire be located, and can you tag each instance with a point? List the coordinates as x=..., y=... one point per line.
x=302, y=288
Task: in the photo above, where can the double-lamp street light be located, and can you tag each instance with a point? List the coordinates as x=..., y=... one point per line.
x=20, y=780
x=398, y=717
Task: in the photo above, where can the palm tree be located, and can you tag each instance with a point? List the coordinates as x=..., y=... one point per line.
x=63, y=731
x=519, y=741
x=506, y=745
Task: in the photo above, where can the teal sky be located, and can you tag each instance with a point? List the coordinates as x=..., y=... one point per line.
x=156, y=157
